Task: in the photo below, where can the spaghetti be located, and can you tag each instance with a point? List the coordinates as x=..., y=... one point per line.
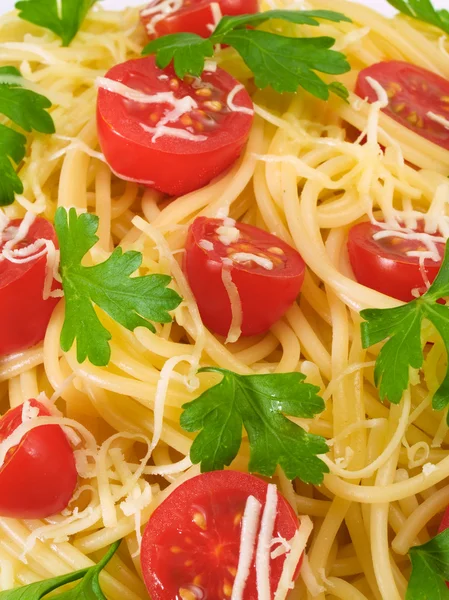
x=301, y=178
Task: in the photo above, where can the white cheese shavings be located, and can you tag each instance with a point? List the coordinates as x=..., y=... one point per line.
x=298, y=544
x=134, y=504
x=438, y=119
x=382, y=96
x=210, y=66
x=428, y=468
x=206, y=245
x=282, y=548
x=29, y=412
x=182, y=134
x=228, y=235
x=235, y=330
x=250, y=525
x=216, y=15
x=243, y=257
x=233, y=107
x=264, y=544
x=429, y=241
x=160, y=10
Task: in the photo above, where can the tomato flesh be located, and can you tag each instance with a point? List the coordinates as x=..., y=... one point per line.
x=265, y=295
x=191, y=544
x=413, y=93
x=384, y=265
x=137, y=147
x=24, y=314
x=39, y=475
x=193, y=16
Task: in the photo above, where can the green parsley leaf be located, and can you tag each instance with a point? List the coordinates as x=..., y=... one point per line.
x=87, y=588
x=27, y=109
x=12, y=147
x=24, y=107
x=131, y=301
x=401, y=326
x=187, y=53
x=64, y=20
x=423, y=10
x=257, y=403
x=284, y=63
x=430, y=569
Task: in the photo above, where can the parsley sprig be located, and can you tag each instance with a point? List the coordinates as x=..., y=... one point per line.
x=430, y=569
x=423, y=10
x=27, y=110
x=257, y=403
x=88, y=586
x=131, y=301
x=283, y=62
x=64, y=19
x=401, y=327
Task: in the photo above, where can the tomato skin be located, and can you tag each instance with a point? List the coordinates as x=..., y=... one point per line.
x=195, y=16
x=24, y=314
x=384, y=269
x=413, y=93
x=169, y=164
x=39, y=475
x=214, y=547
x=265, y=295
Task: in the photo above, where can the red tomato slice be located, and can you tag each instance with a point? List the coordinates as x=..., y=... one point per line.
x=127, y=129
x=414, y=93
x=265, y=295
x=24, y=314
x=190, y=548
x=192, y=16
x=383, y=265
x=39, y=475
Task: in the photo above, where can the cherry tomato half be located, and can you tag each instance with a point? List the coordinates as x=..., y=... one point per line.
x=138, y=148
x=383, y=264
x=413, y=93
x=24, y=314
x=39, y=476
x=193, y=16
x=265, y=294
x=190, y=547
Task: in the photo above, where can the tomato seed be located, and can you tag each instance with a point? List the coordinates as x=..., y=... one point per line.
x=174, y=84
x=204, y=92
x=213, y=105
x=176, y=549
x=227, y=589
x=186, y=120
x=186, y=594
x=200, y=520
x=276, y=250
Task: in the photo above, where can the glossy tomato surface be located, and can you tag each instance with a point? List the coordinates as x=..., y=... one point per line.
x=39, y=476
x=138, y=149
x=191, y=544
x=193, y=16
x=265, y=295
x=383, y=265
x=24, y=314
x=413, y=93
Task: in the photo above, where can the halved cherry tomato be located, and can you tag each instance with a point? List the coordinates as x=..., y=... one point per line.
x=265, y=294
x=138, y=148
x=193, y=16
x=190, y=547
x=383, y=264
x=39, y=476
x=413, y=93
x=24, y=314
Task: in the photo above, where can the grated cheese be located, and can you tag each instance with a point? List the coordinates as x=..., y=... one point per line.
x=134, y=504
x=160, y=10
x=228, y=235
x=428, y=240
x=230, y=101
x=235, y=330
x=29, y=412
x=428, y=468
x=216, y=15
x=242, y=257
x=250, y=525
x=182, y=134
x=298, y=544
x=264, y=543
x=206, y=245
x=283, y=547
x=438, y=119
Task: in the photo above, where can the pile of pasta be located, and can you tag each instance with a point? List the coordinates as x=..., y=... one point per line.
x=303, y=177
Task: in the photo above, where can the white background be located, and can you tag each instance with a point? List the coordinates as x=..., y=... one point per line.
x=380, y=5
